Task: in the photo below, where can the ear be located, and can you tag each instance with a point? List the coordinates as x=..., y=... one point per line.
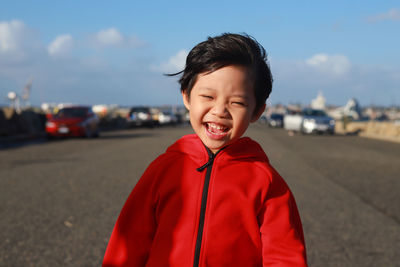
x=186, y=100
x=258, y=113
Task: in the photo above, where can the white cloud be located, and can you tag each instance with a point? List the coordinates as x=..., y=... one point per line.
x=330, y=64
x=298, y=81
x=178, y=61
x=109, y=37
x=11, y=34
x=110, y=71
x=392, y=14
x=174, y=64
x=133, y=41
x=60, y=45
x=20, y=46
x=112, y=37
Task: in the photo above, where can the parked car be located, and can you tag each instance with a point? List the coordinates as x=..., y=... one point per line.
x=309, y=121
x=73, y=121
x=275, y=120
x=167, y=118
x=140, y=116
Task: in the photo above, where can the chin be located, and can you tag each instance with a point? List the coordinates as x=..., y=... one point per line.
x=215, y=146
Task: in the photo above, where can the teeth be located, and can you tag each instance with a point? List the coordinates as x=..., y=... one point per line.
x=217, y=127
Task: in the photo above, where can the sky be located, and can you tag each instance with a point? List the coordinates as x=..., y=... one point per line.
x=116, y=52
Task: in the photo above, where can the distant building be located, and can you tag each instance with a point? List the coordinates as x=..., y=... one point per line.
x=319, y=102
x=351, y=109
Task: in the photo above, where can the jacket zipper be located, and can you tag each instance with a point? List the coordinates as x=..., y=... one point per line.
x=203, y=206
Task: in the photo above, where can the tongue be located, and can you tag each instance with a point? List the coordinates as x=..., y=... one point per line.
x=217, y=131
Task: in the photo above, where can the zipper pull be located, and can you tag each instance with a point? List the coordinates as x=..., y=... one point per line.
x=208, y=163
x=211, y=157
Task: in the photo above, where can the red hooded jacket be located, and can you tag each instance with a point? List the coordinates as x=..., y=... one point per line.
x=194, y=208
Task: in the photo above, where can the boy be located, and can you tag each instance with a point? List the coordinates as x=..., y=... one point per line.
x=213, y=199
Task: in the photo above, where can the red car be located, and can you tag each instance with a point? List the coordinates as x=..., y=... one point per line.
x=73, y=121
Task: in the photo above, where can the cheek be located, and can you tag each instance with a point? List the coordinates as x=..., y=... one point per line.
x=199, y=109
x=196, y=114
x=242, y=116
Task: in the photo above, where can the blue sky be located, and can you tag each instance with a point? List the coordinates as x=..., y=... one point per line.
x=114, y=52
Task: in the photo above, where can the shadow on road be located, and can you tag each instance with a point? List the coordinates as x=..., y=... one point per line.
x=12, y=142
x=125, y=135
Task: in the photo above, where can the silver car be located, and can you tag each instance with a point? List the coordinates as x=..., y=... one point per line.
x=310, y=121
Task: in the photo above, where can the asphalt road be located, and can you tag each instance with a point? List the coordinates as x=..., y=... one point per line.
x=59, y=200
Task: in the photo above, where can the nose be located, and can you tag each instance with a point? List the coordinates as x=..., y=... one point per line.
x=220, y=110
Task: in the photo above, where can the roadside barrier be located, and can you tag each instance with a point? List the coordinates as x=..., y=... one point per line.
x=27, y=121
x=389, y=131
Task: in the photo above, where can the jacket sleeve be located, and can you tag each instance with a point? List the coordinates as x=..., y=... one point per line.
x=281, y=230
x=133, y=232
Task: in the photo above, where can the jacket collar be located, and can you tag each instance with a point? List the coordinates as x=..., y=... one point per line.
x=244, y=148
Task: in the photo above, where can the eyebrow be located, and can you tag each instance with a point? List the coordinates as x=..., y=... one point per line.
x=207, y=88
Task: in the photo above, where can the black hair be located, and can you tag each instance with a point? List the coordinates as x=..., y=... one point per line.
x=225, y=50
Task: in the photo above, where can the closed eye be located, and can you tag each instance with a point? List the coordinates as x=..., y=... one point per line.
x=239, y=103
x=207, y=96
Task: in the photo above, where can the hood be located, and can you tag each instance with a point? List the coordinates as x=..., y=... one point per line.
x=66, y=120
x=244, y=148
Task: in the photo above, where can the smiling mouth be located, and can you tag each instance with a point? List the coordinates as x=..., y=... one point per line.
x=216, y=129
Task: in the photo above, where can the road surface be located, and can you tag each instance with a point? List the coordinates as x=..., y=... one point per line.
x=60, y=199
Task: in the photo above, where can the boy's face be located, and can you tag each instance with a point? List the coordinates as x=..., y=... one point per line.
x=221, y=106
